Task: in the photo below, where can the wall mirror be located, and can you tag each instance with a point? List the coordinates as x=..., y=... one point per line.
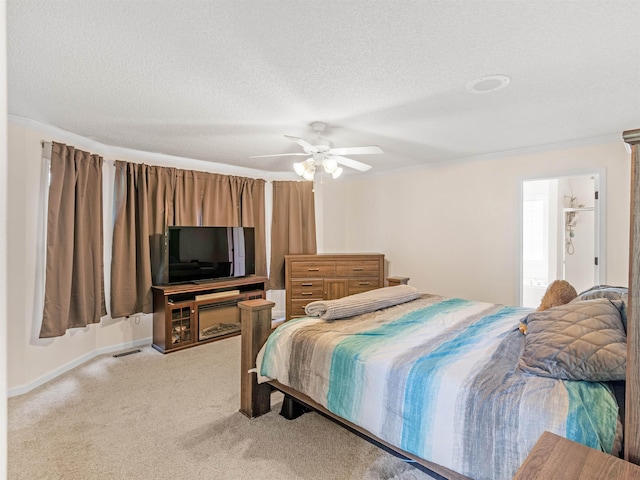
x=562, y=234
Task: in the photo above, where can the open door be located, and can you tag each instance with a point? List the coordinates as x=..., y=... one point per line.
x=561, y=234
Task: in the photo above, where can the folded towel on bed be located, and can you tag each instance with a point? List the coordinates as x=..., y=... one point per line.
x=361, y=302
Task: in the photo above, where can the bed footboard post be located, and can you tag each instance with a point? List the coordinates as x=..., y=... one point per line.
x=632, y=404
x=255, y=327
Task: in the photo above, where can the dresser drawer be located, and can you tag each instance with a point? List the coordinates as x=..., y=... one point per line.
x=363, y=285
x=312, y=269
x=356, y=268
x=306, y=289
x=297, y=307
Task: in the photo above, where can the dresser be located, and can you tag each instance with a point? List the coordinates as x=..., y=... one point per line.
x=329, y=276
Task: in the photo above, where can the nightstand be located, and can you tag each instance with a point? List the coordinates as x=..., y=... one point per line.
x=393, y=281
x=554, y=457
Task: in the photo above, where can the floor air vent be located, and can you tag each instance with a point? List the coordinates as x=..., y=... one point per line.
x=124, y=354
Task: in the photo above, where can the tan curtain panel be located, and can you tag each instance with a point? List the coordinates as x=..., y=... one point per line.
x=150, y=199
x=236, y=202
x=143, y=208
x=74, y=287
x=252, y=213
x=219, y=200
x=293, y=227
x=188, y=198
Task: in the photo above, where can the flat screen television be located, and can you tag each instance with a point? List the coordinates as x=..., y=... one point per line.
x=201, y=254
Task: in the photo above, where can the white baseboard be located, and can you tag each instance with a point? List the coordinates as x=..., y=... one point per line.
x=12, y=392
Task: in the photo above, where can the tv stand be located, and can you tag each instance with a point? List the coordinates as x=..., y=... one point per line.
x=191, y=314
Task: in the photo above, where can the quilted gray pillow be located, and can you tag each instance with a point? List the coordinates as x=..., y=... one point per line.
x=619, y=296
x=577, y=341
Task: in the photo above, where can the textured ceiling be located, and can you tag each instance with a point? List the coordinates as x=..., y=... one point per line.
x=223, y=80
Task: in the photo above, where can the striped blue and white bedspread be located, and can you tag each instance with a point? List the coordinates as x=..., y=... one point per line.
x=438, y=378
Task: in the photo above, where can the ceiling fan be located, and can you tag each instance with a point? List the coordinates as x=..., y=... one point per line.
x=322, y=154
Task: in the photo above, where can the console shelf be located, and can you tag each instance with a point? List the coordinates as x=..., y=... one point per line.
x=191, y=314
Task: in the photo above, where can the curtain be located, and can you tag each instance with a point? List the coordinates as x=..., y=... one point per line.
x=143, y=209
x=252, y=214
x=293, y=227
x=74, y=286
x=236, y=201
x=150, y=199
x=219, y=200
x=188, y=198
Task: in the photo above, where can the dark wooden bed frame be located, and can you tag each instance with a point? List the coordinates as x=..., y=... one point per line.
x=255, y=315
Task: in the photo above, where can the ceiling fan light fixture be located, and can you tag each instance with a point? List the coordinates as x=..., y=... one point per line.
x=324, y=156
x=309, y=172
x=330, y=165
x=299, y=168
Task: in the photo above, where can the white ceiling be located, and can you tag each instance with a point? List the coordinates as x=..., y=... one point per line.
x=223, y=80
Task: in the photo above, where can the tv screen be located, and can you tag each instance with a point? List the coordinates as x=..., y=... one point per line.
x=201, y=254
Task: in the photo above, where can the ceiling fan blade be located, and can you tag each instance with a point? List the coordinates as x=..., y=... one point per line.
x=355, y=150
x=279, y=155
x=348, y=162
x=306, y=145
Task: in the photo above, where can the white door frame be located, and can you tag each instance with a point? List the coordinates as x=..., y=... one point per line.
x=600, y=247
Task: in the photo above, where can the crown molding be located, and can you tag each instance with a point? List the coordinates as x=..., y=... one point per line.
x=110, y=152
x=568, y=145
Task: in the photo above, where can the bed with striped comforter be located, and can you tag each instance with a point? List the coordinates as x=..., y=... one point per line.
x=437, y=377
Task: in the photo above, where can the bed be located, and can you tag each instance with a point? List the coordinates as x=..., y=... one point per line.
x=430, y=370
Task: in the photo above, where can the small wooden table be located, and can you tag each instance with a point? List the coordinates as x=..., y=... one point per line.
x=394, y=281
x=555, y=457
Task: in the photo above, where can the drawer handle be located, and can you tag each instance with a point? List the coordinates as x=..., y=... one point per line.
x=364, y=283
x=313, y=270
x=306, y=284
x=358, y=269
x=307, y=293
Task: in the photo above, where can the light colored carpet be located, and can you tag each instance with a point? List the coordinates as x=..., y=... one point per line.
x=175, y=416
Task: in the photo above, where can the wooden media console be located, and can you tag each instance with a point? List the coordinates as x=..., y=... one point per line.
x=191, y=314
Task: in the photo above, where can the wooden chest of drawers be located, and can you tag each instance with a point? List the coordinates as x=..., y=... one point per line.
x=329, y=276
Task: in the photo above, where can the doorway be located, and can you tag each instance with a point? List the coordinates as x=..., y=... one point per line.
x=561, y=225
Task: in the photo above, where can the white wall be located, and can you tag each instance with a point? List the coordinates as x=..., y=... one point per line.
x=31, y=360
x=453, y=228
x=3, y=240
